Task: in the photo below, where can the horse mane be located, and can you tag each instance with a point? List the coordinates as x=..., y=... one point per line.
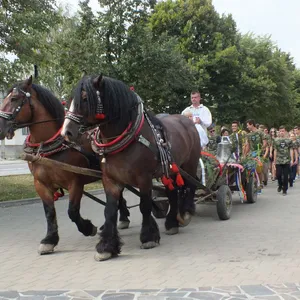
x=48, y=100
x=117, y=99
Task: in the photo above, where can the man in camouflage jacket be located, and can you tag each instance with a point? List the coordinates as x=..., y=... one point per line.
x=255, y=143
x=283, y=158
x=237, y=139
x=213, y=141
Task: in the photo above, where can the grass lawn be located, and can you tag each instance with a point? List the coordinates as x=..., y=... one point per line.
x=17, y=187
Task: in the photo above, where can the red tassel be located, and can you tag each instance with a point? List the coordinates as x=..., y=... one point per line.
x=167, y=182
x=164, y=180
x=57, y=195
x=174, y=168
x=100, y=116
x=170, y=186
x=179, y=180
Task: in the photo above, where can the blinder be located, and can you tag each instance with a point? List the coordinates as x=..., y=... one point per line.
x=11, y=116
x=79, y=119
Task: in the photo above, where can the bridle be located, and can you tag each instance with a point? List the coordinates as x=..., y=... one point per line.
x=79, y=119
x=11, y=116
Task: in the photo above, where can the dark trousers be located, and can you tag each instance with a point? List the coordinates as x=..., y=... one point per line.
x=282, y=174
x=293, y=172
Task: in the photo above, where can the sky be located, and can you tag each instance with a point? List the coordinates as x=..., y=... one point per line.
x=277, y=18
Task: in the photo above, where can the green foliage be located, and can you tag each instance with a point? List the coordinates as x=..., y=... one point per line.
x=163, y=48
x=157, y=70
x=21, y=23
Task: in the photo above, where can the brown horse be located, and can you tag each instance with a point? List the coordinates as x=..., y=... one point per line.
x=34, y=106
x=134, y=145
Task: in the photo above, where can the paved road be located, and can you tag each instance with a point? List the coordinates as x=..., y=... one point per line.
x=259, y=245
x=18, y=167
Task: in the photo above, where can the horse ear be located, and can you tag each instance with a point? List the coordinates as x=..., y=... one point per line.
x=98, y=82
x=28, y=81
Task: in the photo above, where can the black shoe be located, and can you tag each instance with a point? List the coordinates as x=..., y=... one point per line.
x=279, y=189
x=284, y=193
x=291, y=184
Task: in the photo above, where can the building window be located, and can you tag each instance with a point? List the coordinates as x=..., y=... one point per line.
x=25, y=131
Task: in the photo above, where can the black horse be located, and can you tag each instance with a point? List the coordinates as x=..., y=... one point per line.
x=134, y=152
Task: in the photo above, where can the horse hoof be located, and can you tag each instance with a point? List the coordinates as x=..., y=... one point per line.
x=94, y=231
x=172, y=231
x=123, y=224
x=102, y=256
x=149, y=245
x=45, y=249
x=186, y=220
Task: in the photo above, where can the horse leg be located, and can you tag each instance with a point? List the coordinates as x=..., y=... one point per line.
x=110, y=243
x=186, y=200
x=124, y=214
x=149, y=235
x=51, y=239
x=187, y=204
x=84, y=226
x=171, y=223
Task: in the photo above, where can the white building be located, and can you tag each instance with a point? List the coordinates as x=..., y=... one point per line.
x=14, y=147
x=11, y=149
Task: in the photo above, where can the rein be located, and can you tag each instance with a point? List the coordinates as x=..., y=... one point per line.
x=22, y=125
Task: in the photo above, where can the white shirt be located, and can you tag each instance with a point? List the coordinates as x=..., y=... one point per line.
x=201, y=112
x=203, y=136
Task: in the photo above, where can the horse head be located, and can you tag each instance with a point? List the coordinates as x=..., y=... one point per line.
x=86, y=109
x=17, y=108
x=100, y=100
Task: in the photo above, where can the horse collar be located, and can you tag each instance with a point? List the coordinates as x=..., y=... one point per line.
x=54, y=145
x=129, y=135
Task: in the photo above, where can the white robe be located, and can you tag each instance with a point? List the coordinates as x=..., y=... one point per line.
x=202, y=134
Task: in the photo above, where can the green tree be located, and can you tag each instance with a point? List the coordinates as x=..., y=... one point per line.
x=70, y=49
x=21, y=23
x=208, y=42
x=114, y=21
x=157, y=70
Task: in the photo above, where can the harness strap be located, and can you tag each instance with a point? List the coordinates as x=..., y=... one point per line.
x=57, y=134
x=162, y=151
x=122, y=141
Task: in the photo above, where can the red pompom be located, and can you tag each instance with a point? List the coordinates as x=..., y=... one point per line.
x=164, y=180
x=179, y=180
x=57, y=195
x=100, y=116
x=170, y=186
x=174, y=168
x=167, y=182
x=63, y=102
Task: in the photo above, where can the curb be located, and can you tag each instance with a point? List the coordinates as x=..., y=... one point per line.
x=4, y=204
x=13, y=161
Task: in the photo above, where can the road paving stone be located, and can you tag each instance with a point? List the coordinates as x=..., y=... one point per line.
x=256, y=292
x=254, y=255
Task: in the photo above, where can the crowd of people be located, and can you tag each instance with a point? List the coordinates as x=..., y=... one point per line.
x=278, y=149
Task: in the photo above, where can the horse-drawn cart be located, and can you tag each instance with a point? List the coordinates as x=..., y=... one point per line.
x=241, y=175
x=214, y=188
x=211, y=186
